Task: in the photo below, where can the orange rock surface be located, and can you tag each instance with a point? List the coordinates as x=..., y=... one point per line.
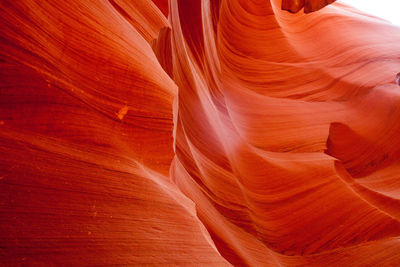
x=198, y=133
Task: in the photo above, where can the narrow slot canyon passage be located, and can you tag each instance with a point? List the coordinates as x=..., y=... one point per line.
x=198, y=133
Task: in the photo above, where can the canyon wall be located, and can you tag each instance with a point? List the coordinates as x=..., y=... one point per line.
x=198, y=133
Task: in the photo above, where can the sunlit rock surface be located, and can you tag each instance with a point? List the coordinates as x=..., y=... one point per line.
x=198, y=133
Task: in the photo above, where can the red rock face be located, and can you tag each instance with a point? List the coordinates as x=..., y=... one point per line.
x=198, y=133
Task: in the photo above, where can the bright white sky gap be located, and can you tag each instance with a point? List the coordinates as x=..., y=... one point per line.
x=386, y=9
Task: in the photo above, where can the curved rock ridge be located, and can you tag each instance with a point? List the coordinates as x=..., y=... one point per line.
x=295, y=6
x=198, y=133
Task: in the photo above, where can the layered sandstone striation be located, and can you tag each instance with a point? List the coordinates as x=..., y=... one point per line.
x=198, y=133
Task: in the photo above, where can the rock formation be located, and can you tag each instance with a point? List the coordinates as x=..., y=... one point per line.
x=198, y=133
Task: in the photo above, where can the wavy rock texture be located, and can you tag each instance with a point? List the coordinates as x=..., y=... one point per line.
x=203, y=133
